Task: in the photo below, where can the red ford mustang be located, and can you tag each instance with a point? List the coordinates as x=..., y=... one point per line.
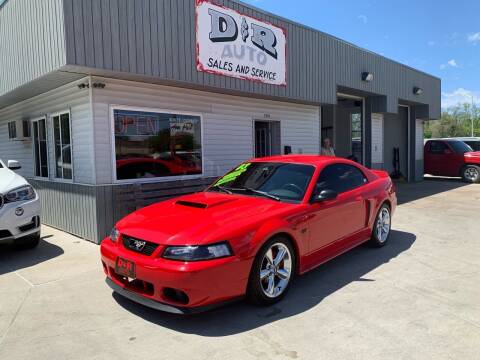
x=249, y=234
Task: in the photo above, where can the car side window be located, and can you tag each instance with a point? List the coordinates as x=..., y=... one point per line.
x=437, y=147
x=340, y=178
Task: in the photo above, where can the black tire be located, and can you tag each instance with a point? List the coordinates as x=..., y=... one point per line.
x=27, y=242
x=471, y=174
x=255, y=291
x=378, y=240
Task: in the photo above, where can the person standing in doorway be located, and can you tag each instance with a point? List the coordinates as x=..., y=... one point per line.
x=327, y=148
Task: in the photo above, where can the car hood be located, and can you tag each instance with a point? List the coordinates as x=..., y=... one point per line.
x=199, y=218
x=10, y=180
x=473, y=156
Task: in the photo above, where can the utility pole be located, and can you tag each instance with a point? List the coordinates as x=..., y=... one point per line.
x=472, y=114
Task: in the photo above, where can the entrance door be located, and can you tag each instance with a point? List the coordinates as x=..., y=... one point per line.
x=348, y=128
x=267, y=138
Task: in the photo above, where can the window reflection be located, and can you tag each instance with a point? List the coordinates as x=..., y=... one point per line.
x=150, y=144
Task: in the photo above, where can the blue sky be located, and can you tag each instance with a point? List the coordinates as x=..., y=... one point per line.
x=439, y=37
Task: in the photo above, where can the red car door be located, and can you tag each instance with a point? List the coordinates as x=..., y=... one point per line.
x=340, y=218
x=454, y=157
x=438, y=158
x=441, y=159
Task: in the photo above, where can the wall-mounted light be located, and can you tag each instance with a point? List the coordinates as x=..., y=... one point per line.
x=99, y=85
x=367, y=76
x=83, y=86
x=417, y=90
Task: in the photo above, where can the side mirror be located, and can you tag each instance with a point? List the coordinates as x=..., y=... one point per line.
x=14, y=165
x=325, y=195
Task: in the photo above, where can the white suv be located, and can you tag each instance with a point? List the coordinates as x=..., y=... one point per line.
x=19, y=208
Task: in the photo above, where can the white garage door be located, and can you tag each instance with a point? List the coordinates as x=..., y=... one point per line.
x=377, y=139
x=419, y=140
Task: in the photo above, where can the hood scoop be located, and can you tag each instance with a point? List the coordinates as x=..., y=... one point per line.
x=204, y=203
x=192, y=204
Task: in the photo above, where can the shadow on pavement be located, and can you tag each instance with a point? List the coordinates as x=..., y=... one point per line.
x=307, y=291
x=407, y=192
x=12, y=259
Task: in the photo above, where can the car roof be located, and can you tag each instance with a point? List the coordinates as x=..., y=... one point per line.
x=446, y=139
x=468, y=138
x=303, y=159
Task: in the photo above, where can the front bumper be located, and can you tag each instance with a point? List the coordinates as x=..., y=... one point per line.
x=19, y=219
x=206, y=283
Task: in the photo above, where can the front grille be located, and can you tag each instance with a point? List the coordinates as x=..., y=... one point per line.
x=31, y=225
x=129, y=243
x=5, y=234
x=136, y=285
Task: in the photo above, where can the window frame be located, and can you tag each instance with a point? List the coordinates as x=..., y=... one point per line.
x=47, y=133
x=52, y=124
x=445, y=147
x=12, y=129
x=154, y=179
x=336, y=164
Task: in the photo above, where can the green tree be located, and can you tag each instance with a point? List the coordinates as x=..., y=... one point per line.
x=455, y=121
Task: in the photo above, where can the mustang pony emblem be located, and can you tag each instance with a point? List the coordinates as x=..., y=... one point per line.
x=138, y=244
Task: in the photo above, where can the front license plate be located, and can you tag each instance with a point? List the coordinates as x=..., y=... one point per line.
x=125, y=267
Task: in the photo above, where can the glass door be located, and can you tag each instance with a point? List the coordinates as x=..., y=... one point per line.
x=267, y=138
x=40, y=149
x=356, y=126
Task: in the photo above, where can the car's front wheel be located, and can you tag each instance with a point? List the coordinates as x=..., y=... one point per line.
x=471, y=173
x=272, y=272
x=382, y=226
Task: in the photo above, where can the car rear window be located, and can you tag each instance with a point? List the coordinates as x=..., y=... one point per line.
x=460, y=147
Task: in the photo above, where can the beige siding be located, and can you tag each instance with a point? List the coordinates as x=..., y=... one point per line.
x=32, y=41
x=66, y=98
x=227, y=122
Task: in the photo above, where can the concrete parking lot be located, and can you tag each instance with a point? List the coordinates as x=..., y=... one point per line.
x=417, y=298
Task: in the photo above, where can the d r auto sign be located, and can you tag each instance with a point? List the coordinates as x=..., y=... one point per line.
x=232, y=44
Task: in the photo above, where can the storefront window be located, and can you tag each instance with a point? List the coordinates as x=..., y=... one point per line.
x=152, y=144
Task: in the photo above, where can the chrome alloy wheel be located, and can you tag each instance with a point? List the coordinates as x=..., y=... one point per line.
x=471, y=173
x=383, y=225
x=275, y=270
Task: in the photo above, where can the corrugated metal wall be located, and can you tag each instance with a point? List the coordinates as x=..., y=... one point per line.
x=156, y=38
x=32, y=41
x=75, y=213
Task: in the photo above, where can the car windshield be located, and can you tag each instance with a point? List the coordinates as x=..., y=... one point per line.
x=460, y=147
x=274, y=180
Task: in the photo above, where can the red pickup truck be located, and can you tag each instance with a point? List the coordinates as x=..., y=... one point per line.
x=449, y=157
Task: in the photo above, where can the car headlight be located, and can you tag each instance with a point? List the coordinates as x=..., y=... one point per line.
x=20, y=194
x=198, y=253
x=114, y=235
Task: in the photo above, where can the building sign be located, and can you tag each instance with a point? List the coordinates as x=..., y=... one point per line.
x=232, y=44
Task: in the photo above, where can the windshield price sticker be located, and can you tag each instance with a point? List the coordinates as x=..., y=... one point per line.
x=233, y=175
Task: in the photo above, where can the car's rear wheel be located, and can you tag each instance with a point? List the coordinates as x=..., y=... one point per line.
x=272, y=272
x=471, y=173
x=382, y=226
x=27, y=242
